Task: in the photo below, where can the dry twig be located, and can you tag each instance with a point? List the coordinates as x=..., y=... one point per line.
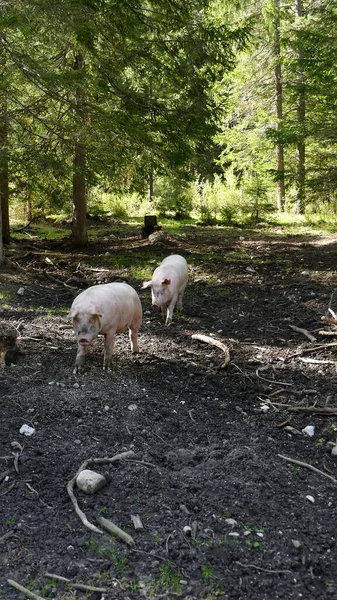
x=262, y=569
x=20, y=587
x=76, y=586
x=209, y=340
x=271, y=380
x=112, y=528
x=307, y=466
x=304, y=331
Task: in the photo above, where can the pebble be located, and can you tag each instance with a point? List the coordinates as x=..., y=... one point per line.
x=234, y=534
x=89, y=481
x=309, y=430
x=132, y=407
x=231, y=522
x=311, y=499
x=296, y=543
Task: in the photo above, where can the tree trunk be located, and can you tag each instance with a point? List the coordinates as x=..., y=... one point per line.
x=150, y=187
x=79, y=221
x=300, y=115
x=279, y=109
x=1, y=242
x=4, y=167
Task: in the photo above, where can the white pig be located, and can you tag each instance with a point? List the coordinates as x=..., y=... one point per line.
x=168, y=284
x=105, y=309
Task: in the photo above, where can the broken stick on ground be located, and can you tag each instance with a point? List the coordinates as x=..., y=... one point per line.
x=209, y=340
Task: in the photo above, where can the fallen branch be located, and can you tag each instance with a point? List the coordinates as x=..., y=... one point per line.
x=262, y=569
x=76, y=586
x=316, y=361
x=307, y=466
x=209, y=340
x=331, y=321
x=271, y=380
x=71, y=484
x=323, y=411
x=20, y=587
x=327, y=333
x=304, y=331
x=112, y=528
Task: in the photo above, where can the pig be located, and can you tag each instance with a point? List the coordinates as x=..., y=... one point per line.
x=168, y=284
x=105, y=309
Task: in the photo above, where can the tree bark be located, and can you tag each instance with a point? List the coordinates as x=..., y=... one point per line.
x=4, y=195
x=79, y=220
x=281, y=196
x=300, y=115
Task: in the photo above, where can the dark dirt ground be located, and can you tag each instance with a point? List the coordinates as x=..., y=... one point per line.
x=204, y=450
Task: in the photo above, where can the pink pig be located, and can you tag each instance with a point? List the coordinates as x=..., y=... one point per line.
x=105, y=309
x=168, y=284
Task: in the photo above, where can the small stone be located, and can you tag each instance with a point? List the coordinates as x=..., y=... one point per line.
x=296, y=543
x=231, y=522
x=89, y=481
x=187, y=530
x=259, y=534
x=311, y=499
x=21, y=291
x=309, y=430
x=334, y=451
x=234, y=534
x=132, y=407
x=27, y=430
x=76, y=386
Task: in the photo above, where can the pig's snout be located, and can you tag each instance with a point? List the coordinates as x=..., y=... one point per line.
x=83, y=342
x=155, y=306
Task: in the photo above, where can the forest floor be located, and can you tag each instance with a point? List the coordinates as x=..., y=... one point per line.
x=224, y=513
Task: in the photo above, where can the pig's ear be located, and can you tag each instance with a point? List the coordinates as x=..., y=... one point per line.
x=165, y=282
x=71, y=314
x=95, y=312
x=146, y=284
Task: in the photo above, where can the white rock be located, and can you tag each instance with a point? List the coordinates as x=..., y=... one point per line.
x=132, y=407
x=231, y=522
x=27, y=430
x=309, y=430
x=334, y=451
x=311, y=499
x=89, y=481
x=187, y=530
x=265, y=407
x=21, y=291
x=296, y=543
x=234, y=534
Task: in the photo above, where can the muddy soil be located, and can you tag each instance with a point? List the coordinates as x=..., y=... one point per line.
x=225, y=513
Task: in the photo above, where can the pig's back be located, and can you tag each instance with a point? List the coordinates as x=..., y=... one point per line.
x=177, y=263
x=108, y=294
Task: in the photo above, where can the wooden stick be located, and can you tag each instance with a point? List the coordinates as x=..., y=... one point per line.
x=316, y=361
x=307, y=466
x=271, y=380
x=209, y=340
x=323, y=411
x=71, y=485
x=76, y=586
x=304, y=331
x=112, y=528
x=20, y=587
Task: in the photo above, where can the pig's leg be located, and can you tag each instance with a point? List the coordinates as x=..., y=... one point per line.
x=180, y=301
x=164, y=311
x=108, y=349
x=170, y=310
x=80, y=357
x=133, y=336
